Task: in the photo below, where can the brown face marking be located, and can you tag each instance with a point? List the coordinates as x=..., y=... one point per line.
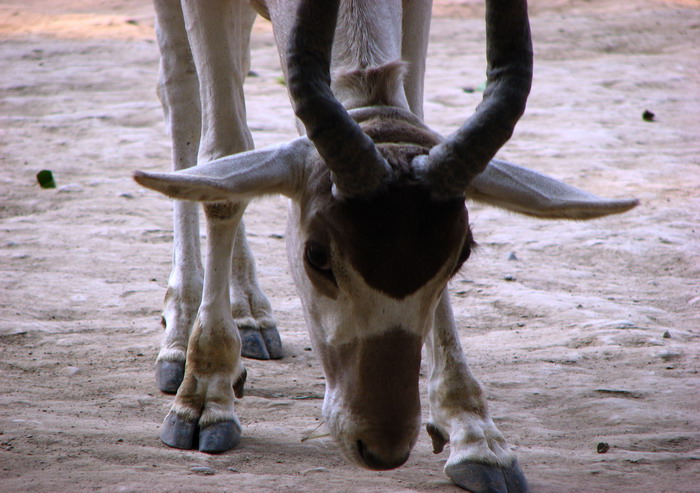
x=399, y=240
x=378, y=375
x=401, y=237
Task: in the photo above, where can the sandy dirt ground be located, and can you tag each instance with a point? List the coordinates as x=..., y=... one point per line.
x=592, y=333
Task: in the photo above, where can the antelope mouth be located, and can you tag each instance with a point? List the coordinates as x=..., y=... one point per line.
x=378, y=462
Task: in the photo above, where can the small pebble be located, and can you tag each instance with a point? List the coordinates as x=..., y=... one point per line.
x=648, y=116
x=668, y=355
x=313, y=470
x=602, y=447
x=667, y=335
x=208, y=471
x=509, y=278
x=512, y=256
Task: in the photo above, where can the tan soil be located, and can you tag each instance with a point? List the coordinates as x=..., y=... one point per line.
x=595, y=340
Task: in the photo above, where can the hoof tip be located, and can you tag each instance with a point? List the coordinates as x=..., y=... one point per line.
x=273, y=343
x=219, y=437
x=169, y=375
x=253, y=345
x=177, y=433
x=482, y=478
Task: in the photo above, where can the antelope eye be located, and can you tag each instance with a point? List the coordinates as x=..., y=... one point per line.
x=317, y=264
x=318, y=257
x=465, y=254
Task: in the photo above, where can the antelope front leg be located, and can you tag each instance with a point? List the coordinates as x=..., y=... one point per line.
x=179, y=95
x=203, y=411
x=480, y=459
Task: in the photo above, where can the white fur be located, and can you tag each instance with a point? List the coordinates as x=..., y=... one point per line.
x=370, y=34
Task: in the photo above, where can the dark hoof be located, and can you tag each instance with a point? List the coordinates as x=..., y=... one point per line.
x=219, y=437
x=169, y=375
x=439, y=440
x=273, y=343
x=481, y=478
x=177, y=433
x=515, y=479
x=253, y=345
x=239, y=386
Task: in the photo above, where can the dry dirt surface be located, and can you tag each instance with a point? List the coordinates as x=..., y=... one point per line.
x=582, y=332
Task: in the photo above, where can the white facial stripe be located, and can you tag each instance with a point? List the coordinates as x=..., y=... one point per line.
x=362, y=311
x=359, y=310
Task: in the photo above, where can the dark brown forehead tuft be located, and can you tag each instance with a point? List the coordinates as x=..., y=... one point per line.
x=401, y=238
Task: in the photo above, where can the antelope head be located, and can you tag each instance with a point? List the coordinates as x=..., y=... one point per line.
x=378, y=223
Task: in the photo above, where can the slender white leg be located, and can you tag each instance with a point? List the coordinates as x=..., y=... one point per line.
x=480, y=458
x=204, y=406
x=218, y=33
x=178, y=90
x=221, y=54
x=219, y=47
x=414, y=49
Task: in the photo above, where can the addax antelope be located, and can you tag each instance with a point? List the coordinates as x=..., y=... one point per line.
x=377, y=221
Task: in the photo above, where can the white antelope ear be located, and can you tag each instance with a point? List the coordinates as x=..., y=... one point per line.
x=522, y=190
x=272, y=170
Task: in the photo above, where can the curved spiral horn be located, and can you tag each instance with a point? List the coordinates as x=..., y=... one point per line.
x=356, y=165
x=451, y=165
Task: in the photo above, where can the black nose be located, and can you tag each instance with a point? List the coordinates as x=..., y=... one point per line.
x=376, y=462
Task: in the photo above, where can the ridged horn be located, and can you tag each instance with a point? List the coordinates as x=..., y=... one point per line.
x=451, y=165
x=356, y=165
